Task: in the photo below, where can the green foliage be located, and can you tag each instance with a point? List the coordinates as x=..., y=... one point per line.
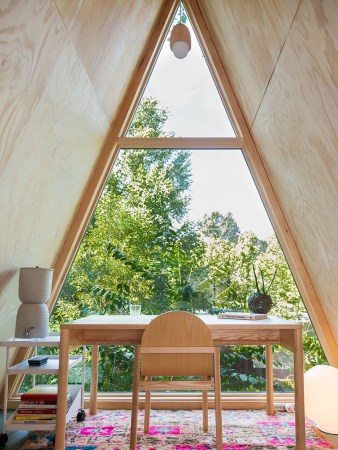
x=149, y=120
x=140, y=247
x=263, y=289
x=116, y=368
x=237, y=371
x=228, y=266
x=313, y=352
x=218, y=226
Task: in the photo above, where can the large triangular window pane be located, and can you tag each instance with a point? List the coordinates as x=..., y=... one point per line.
x=187, y=89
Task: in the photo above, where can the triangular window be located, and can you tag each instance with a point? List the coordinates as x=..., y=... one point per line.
x=147, y=241
x=187, y=89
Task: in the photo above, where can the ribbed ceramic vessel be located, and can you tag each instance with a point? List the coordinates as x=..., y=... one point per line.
x=35, y=284
x=259, y=303
x=33, y=317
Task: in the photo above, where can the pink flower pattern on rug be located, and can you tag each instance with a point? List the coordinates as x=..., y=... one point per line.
x=168, y=429
x=182, y=430
x=97, y=431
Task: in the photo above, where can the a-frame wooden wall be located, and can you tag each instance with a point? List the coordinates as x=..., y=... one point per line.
x=49, y=62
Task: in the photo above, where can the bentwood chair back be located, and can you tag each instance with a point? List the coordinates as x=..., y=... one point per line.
x=177, y=344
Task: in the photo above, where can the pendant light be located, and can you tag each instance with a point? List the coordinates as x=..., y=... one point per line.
x=180, y=39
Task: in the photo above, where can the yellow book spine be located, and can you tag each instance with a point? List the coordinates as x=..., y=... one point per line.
x=34, y=416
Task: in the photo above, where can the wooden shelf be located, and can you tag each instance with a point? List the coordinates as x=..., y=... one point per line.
x=52, y=366
x=75, y=391
x=52, y=340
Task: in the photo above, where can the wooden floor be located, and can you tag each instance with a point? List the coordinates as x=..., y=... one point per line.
x=15, y=438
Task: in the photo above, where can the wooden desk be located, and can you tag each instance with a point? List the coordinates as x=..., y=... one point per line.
x=125, y=330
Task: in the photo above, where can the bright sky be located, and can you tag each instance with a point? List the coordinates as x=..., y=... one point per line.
x=221, y=179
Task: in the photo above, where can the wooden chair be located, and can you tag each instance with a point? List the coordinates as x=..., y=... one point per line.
x=176, y=344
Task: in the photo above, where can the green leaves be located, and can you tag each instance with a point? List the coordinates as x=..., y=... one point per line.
x=263, y=289
x=141, y=247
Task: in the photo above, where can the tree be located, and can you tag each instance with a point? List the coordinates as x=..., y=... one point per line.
x=229, y=264
x=138, y=218
x=287, y=300
x=216, y=225
x=139, y=245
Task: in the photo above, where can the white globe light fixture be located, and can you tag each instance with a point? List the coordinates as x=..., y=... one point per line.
x=180, y=40
x=321, y=397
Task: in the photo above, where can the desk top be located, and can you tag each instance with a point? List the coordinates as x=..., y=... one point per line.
x=140, y=322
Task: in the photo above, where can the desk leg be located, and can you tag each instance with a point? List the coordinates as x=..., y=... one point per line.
x=299, y=390
x=269, y=379
x=94, y=379
x=62, y=391
x=218, y=401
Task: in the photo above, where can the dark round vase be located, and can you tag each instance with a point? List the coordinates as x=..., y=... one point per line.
x=259, y=303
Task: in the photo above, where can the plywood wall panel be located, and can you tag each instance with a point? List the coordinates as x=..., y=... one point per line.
x=44, y=116
x=68, y=9
x=286, y=10
x=296, y=131
x=52, y=131
x=29, y=50
x=57, y=160
x=249, y=36
x=109, y=37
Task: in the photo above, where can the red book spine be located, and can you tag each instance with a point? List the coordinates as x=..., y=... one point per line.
x=38, y=397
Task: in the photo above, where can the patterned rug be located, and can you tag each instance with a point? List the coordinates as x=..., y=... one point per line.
x=181, y=430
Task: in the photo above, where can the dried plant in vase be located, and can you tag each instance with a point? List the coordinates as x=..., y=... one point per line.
x=260, y=302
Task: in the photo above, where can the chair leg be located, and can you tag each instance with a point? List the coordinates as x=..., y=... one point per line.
x=134, y=410
x=147, y=407
x=205, y=406
x=217, y=390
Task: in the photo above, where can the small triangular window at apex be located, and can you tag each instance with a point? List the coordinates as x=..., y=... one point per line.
x=186, y=90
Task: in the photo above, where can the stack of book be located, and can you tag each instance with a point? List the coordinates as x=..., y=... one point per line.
x=38, y=405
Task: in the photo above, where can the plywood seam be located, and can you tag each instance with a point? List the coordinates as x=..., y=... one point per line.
x=89, y=80
x=276, y=63
x=73, y=18
x=64, y=23
x=273, y=1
